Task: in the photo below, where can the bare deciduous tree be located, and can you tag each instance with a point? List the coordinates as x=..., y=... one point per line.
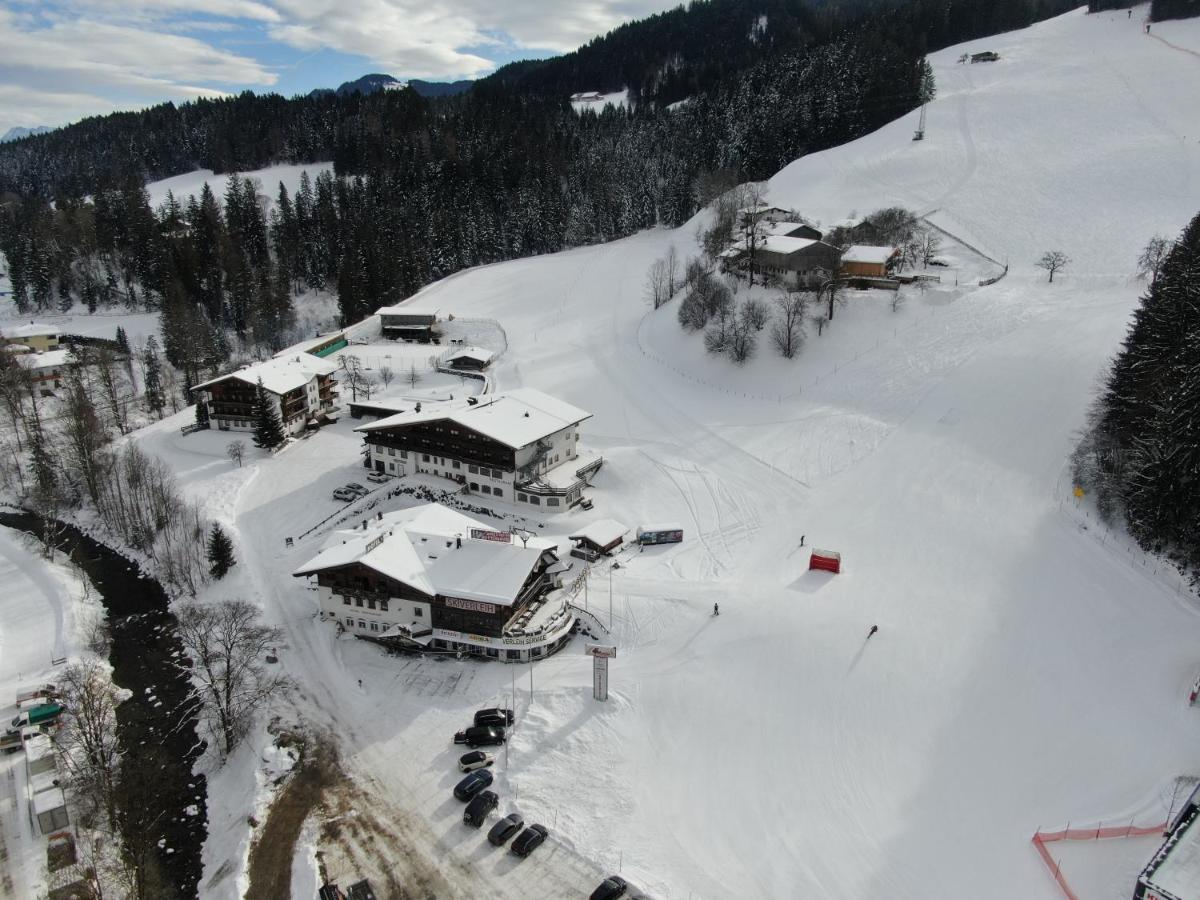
x=658, y=284
x=787, y=332
x=236, y=450
x=671, y=260
x=1153, y=255
x=1053, y=261
x=930, y=245
x=386, y=375
x=754, y=314
x=86, y=742
x=413, y=377
x=227, y=644
x=742, y=342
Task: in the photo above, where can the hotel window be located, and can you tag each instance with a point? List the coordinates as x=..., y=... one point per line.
x=552, y=501
x=346, y=600
x=391, y=451
x=474, y=470
x=513, y=654
x=457, y=464
x=499, y=492
x=474, y=486
x=417, y=612
x=404, y=454
x=374, y=626
x=358, y=601
x=535, y=501
x=522, y=498
x=362, y=624
x=424, y=457
x=350, y=621
x=487, y=489
x=370, y=603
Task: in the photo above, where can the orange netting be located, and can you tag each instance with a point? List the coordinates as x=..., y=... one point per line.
x=1042, y=838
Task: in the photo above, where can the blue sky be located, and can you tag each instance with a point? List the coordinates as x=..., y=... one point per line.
x=61, y=60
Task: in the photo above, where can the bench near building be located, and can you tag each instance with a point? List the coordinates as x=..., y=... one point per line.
x=301, y=386
x=431, y=578
x=520, y=446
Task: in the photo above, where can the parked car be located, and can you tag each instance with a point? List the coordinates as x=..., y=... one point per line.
x=479, y=807
x=357, y=488
x=344, y=495
x=495, y=716
x=504, y=829
x=529, y=840
x=611, y=888
x=480, y=736
x=476, y=759
x=377, y=477
x=472, y=784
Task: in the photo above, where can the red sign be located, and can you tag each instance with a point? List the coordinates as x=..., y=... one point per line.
x=480, y=534
x=599, y=650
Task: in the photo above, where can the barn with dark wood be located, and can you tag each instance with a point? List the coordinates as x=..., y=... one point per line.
x=795, y=261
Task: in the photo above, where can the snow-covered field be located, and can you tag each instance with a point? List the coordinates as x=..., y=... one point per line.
x=596, y=101
x=183, y=186
x=1030, y=669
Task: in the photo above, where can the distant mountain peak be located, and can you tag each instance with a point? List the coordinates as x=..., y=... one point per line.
x=377, y=81
x=17, y=132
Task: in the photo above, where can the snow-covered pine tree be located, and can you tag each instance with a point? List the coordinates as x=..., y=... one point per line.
x=152, y=385
x=268, y=430
x=220, y=552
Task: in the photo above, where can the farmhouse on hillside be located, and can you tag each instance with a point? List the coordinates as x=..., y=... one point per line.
x=431, y=578
x=321, y=345
x=35, y=336
x=409, y=322
x=301, y=386
x=791, y=229
x=520, y=445
x=795, y=261
x=865, y=261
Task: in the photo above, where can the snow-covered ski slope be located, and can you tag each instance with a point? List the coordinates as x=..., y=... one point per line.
x=1030, y=669
x=1025, y=673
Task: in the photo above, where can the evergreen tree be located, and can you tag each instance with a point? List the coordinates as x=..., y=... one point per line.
x=220, y=552
x=201, y=412
x=152, y=383
x=268, y=429
x=122, y=340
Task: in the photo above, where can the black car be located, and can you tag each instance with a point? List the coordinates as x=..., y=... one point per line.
x=477, y=809
x=472, y=784
x=494, y=716
x=480, y=736
x=611, y=888
x=529, y=840
x=505, y=828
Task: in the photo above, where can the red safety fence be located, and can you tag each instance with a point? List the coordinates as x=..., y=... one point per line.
x=1042, y=838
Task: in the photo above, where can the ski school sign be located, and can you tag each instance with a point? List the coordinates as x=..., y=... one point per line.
x=482, y=534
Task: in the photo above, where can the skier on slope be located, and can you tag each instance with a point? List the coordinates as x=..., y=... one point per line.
x=871, y=633
x=716, y=610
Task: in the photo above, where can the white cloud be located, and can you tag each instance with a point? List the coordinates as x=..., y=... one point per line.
x=60, y=59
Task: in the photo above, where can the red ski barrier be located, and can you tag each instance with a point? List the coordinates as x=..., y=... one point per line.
x=825, y=561
x=1042, y=838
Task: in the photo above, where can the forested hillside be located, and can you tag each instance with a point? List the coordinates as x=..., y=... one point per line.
x=425, y=187
x=1142, y=452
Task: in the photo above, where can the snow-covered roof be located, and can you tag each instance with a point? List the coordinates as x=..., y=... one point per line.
x=48, y=801
x=33, y=329
x=307, y=346
x=864, y=253
x=476, y=353
x=409, y=309
x=1178, y=875
x=281, y=374
x=515, y=418
x=38, y=747
x=419, y=547
x=16, y=349
x=660, y=526
x=51, y=359
x=776, y=243
x=602, y=532
x=782, y=228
